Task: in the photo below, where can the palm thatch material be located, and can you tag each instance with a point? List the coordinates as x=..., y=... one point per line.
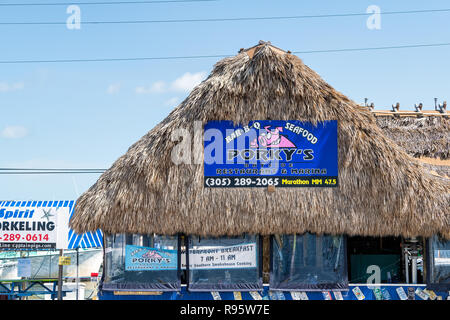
x=420, y=137
x=383, y=191
x=426, y=137
x=442, y=170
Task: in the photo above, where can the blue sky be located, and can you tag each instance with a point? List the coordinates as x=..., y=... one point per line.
x=86, y=115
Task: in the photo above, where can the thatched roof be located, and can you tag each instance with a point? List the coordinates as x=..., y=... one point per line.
x=440, y=169
x=382, y=190
x=427, y=136
x=422, y=134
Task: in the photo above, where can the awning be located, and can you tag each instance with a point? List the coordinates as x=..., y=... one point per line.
x=86, y=240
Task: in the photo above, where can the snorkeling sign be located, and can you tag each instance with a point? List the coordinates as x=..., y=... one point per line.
x=27, y=227
x=271, y=153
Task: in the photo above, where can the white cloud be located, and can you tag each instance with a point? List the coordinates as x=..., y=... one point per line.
x=14, y=132
x=157, y=87
x=188, y=81
x=6, y=87
x=113, y=88
x=185, y=83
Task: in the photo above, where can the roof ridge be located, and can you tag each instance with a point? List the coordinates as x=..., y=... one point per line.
x=251, y=50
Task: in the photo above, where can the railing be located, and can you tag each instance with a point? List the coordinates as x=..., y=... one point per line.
x=23, y=288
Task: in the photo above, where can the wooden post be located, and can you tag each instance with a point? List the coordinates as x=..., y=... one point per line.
x=60, y=275
x=23, y=284
x=78, y=276
x=293, y=255
x=305, y=248
x=319, y=257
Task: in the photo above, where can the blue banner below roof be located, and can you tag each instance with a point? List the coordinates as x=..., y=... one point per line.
x=354, y=292
x=85, y=240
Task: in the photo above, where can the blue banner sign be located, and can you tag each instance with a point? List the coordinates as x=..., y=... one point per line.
x=271, y=152
x=145, y=259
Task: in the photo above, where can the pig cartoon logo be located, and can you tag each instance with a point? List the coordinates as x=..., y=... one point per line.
x=272, y=139
x=152, y=254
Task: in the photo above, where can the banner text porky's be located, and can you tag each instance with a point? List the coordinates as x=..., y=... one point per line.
x=270, y=152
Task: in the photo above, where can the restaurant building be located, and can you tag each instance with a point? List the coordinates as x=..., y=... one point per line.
x=267, y=183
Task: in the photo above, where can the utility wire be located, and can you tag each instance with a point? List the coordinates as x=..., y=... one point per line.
x=30, y=171
x=411, y=46
x=98, y=3
x=114, y=59
x=230, y=19
x=376, y=48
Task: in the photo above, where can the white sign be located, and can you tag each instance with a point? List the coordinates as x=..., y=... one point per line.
x=221, y=257
x=34, y=228
x=401, y=293
x=255, y=295
x=295, y=295
x=216, y=295
x=338, y=295
x=422, y=294
x=24, y=268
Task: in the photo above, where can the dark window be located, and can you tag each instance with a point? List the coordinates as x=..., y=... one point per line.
x=438, y=263
x=141, y=263
x=224, y=264
x=308, y=262
x=375, y=259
